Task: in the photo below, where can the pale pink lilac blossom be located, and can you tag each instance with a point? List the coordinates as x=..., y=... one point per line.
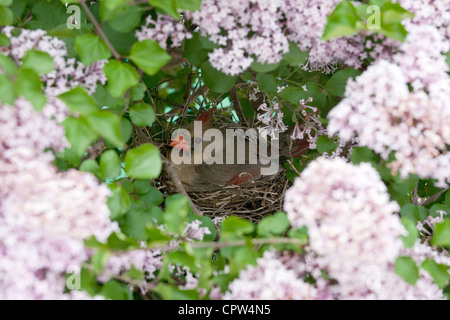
x=247, y=31
x=311, y=124
x=149, y=261
x=387, y=116
x=270, y=279
x=353, y=229
x=272, y=118
x=44, y=214
x=165, y=30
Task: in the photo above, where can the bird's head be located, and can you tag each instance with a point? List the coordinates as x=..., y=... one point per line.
x=184, y=143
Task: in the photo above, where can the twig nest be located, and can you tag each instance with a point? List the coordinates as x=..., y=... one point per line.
x=251, y=201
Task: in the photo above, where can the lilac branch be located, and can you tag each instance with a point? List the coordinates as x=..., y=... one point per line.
x=99, y=30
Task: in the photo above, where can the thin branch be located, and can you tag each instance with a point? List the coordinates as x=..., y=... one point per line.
x=177, y=183
x=99, y=29
x=172, y=173
x=235, y=243
x=433, y=198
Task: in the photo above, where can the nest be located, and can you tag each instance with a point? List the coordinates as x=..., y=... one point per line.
x=252, y=201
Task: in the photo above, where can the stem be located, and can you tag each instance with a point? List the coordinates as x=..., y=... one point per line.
x=178, y=185
x=433, y=198
x=99, y=29
x=227, y=244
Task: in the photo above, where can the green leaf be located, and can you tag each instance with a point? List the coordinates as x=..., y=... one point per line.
x=215, y=80
x=190, y=5
x=90, y=165
x=156, y=235
x=114, y=4
x=169, y=292
x=47, y=15
x=448, y=58
x=120, y=241
x=362, y=154
x=109, y=164
x=115, y=290
x=91, y=48
x=4, y=40
x=413, y=234
x=135, y=274
x=7, y=94
x=100, y=259
x=142, y=114
x=194, y=50
x=142, y=186
x=342, y=21
x=413, y=212
x=152, y=198
x=439, y=272
x=149, y=56
x=39, y=61
x=136, y=222
x=138, y=93
x=18, y=7
x=437, y=207
x=267, y=83
x=119, y=202
x=121, y=77
x=299, y=233
x=325, y=145
x=391, y=19
x=6, y=3
x=79, y=134
x=7, y=65
x=29, y=85
x=447, y=198
x=127, y=129
x=108, y=125
x=441, y=235
x=295, y=57
x=143, y=162
x=169, y=6
x=6, y=16
x=237, y=226
x=207, y=222
x=177, y=210
x=183, y=259
x=407, y=269
x=264, y=68
x=274, y=225
x=127, y=20
x=337, y=83
x=79, y=101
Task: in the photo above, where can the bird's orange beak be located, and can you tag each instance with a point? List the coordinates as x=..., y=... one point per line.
x=181, y=143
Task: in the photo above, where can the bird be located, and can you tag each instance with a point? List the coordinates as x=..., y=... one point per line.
x=205, y=177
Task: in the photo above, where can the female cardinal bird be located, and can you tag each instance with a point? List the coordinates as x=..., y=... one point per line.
x=247, y=165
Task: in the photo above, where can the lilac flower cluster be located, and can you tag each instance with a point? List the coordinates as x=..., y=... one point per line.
x=247, y=31
x=260, y=30
x=272, y=118
x=312, y=126
x=386, y=115
x=148, y=261
x=270, y=279
x=165, y=30
x=67, y=74
x=353, y=230
x=430, y=12
x=44, y=215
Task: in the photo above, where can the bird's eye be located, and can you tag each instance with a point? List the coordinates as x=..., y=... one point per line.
x=198, y=140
